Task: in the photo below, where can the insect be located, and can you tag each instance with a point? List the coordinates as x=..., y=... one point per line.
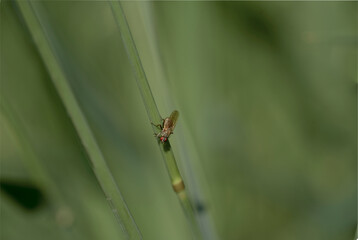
x=168, y=127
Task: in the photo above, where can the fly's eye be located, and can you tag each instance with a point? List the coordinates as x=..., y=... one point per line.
x=165, y=139
x=161, y=139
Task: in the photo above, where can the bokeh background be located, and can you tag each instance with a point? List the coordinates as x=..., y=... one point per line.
x=266, y=138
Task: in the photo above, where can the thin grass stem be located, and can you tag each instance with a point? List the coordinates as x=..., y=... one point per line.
x=153, y=113
x=99, y=166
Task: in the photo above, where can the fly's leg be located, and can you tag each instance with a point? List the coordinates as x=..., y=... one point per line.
x=156, y=135
x=157, y=125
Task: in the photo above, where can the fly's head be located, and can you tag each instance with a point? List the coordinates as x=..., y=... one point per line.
x=163, y=139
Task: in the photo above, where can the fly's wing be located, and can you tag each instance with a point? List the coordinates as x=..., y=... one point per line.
x=173, y=119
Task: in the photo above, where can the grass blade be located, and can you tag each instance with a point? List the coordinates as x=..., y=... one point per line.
x=199, y=191
x=80, y=123
x=153, y=113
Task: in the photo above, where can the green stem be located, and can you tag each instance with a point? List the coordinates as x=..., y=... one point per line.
x=152, y=111
x=80, y=123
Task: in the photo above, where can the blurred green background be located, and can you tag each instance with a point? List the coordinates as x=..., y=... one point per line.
x=266, y=138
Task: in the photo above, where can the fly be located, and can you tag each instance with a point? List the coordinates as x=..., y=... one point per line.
x=168, y=127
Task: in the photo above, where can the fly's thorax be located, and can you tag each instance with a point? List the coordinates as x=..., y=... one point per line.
x=166, y=133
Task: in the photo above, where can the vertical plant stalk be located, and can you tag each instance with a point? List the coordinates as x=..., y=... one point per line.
x=199, y=191
x=152, y=111
x=80, y=123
